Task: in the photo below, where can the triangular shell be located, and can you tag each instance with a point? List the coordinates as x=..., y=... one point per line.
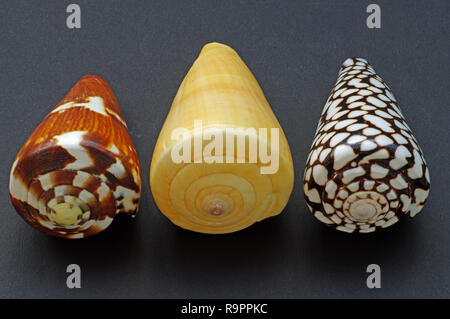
x=365, y=169
x=79, y=168
x=221, y=93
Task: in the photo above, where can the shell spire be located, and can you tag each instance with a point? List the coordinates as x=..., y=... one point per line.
x=79, y=168
x=365, y=169
x=207, y=173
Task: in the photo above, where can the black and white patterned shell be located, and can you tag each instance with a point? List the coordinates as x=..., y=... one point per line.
x=365, y=169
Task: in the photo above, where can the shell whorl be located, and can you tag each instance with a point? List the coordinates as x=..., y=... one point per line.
x=79, y=168
x=219, y=197
x=365, y=169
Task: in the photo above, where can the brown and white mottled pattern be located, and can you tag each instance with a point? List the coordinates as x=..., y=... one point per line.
x=79, y=168
x=365, y=169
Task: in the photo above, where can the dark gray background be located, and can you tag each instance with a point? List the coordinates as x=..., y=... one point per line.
x=295, y=49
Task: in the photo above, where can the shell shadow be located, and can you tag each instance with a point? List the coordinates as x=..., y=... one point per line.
x=329, y=252
x=110, y=249
x=223, y=256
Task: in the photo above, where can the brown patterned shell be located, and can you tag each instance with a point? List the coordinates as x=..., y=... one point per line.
x=365, y=169
x=79, y=168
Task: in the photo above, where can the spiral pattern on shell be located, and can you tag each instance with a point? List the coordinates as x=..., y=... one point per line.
x=365, y=169
x=79, y=168
x=208, y=192
x=218, y=197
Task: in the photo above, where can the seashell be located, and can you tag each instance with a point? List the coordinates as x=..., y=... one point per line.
x=79, y=168
x=229, y=189
x=365, y=169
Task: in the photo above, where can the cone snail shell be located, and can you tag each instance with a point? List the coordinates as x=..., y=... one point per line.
x=365, y=169
x=225, y=192
x=79, y=168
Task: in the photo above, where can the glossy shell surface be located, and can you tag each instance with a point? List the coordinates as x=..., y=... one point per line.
x=365, y=169
x=79, y=168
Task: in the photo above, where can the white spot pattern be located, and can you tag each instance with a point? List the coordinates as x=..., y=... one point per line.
x=368, y=170
x=71, y=180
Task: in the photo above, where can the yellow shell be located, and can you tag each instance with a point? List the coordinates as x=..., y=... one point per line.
x=219, y=188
